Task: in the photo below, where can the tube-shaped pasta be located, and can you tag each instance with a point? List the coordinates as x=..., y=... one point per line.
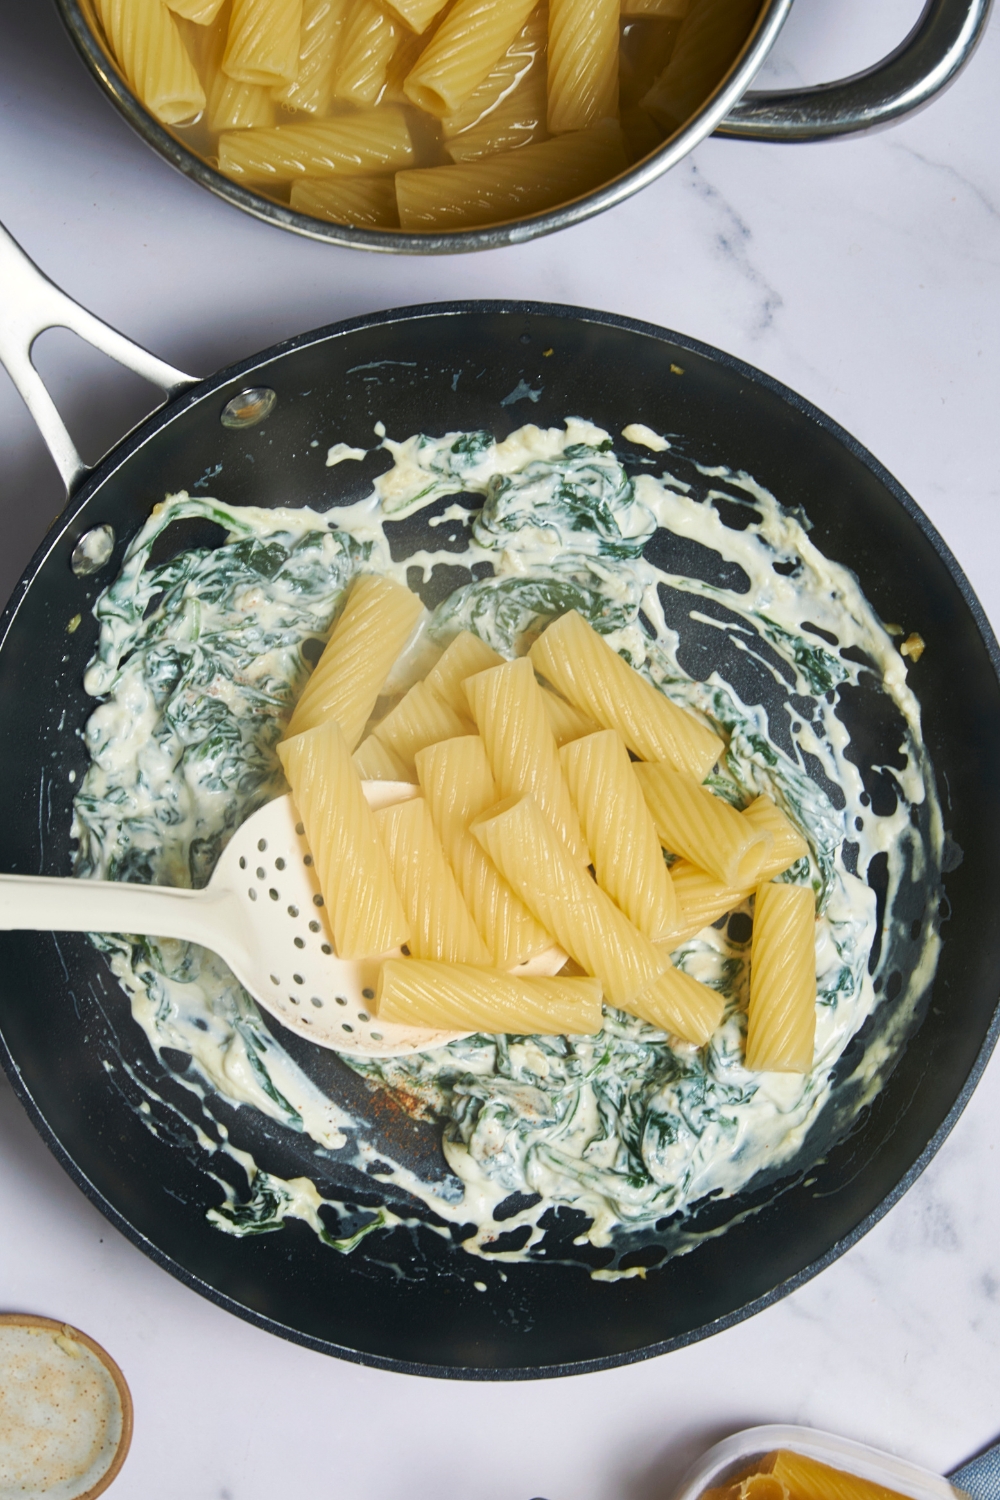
x=702, y=899
x=377, y=619
x=412, y=992
x=582, y=63
x=201, y=12
x=781, y=1029
x=787, y=843
x=367, y=43
x=471, y=38
x=368, y=202
x=464, y=656
x=710, y=39
x=363, y=909
x=418, y=14
x=566, y=722
x=634, y=975
x=508, y=109
x=374, y=761
x=583, y=667
x=263, y=44
x=312, y=87
x=148, y=47
x=704, y=828
x=509, y=711
x=458, y=785
x=676, y=1002
x=510, y=183
x=420, y=718
x=619, y=831
x=371, y=140
x=441, y=926
x=535, y=862
x=401, y=64
x=229, y=105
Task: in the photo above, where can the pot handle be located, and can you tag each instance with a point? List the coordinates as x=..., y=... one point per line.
x=930, y=58
x=31, y=303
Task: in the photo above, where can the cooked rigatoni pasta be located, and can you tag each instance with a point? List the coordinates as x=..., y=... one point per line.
x=511, y=183
x=441, y=926
x=374, y=626
x=634, y=975
x=471, y=38
x=582, y=63
x=229, y=105
x=418, y=14
x=368, y=202
x=460, y=997
x=371, y=140
x=374, y=761
x=781, y=1028
x=583, y=667
x=705, y=829
x=711, y=36
x=367, y=43
x=147, y=44
x=202, y=12
x=263, y=43
x=677, y=1003
x=509, y=711
x=312, y=87
x=787, y=843
x=567, y=723
x=458, y=785
x=702, y=898
x=619, y=831
x=552, y=884
x=364, y=912
x=401, y=63
x=420, y=718
x=464, y=656
x=509, y=107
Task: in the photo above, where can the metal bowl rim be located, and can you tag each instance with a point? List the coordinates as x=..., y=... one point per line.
x=771, y=17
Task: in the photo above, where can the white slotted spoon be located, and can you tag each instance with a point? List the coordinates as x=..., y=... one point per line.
x=262, y=913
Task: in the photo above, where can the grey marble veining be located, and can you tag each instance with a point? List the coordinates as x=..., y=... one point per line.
x=866, y=276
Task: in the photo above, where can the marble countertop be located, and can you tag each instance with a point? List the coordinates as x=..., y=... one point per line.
x=864, y=274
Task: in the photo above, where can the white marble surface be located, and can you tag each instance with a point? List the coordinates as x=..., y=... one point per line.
x=867, y=276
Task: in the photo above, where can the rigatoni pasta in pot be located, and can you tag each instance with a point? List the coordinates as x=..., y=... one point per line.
x=423, y=115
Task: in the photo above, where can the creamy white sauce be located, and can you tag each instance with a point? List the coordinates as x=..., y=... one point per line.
x=626, y=1128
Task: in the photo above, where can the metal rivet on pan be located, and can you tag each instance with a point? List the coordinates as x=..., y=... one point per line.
x=92, y=550
x=249, y=407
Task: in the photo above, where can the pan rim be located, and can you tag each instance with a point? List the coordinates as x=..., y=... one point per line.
x=144, y=432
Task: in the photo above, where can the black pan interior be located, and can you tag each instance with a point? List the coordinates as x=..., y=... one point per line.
x=63, y=1018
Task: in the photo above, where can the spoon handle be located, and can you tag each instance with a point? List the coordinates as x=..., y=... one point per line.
x=45, y=903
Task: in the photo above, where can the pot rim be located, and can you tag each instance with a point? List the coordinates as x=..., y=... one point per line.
x=101, y=65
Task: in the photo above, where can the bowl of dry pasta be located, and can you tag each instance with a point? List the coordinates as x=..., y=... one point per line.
x=431, y=126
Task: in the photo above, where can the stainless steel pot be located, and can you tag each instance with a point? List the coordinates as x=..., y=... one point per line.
x=927, y=61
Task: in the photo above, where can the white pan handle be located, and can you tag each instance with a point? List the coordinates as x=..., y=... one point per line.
x=29, y=304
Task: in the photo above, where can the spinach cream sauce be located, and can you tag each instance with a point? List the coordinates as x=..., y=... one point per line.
x=199, y=661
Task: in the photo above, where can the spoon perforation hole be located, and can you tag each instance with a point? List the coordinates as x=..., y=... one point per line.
x=345, y=1027
x=262, y=845
x=314, y=927
x=273, y=894
x=368, y=994
x=252, y=894
x=317, y=900
x=243, y=863
x=297, y=979
x=327, y=949
x=300, y=942
x=307, y=859
x=293, y=911
x=341, y=1000
x=261, y=873
x=300, y=829
x=279, y=863
x=315, y=1000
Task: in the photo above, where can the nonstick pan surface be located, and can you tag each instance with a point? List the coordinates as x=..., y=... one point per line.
x=64, y=1020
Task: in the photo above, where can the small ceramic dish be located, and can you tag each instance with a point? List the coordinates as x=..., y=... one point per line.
x=65, y=1411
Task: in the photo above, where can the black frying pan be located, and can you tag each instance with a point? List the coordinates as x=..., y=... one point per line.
x=62, y=1014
